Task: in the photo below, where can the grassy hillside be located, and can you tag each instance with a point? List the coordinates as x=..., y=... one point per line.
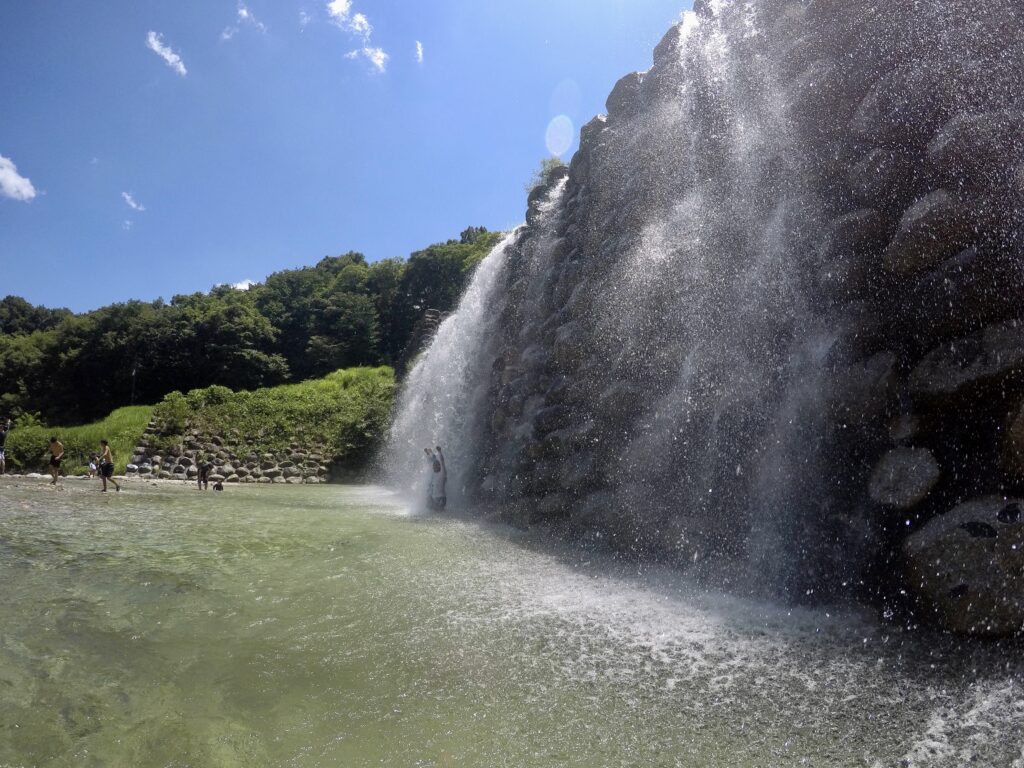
x=343, y=414
x=27, y=443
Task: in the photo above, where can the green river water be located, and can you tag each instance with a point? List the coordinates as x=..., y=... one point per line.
x=327, y=626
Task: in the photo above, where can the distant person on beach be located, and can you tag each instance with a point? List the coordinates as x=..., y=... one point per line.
x=436, y=498
x=56, y=454
x=107, y=466
x=218, y=486
x=5, y=427
x=203, y=478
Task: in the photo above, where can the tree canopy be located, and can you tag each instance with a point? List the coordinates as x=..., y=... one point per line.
x=297, y=325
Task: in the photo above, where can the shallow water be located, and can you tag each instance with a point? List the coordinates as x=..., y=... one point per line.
x=325, y=626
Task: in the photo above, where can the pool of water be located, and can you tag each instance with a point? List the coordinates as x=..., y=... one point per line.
x=327, y=626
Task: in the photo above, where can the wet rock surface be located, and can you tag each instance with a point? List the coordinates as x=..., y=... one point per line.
x=968, y=565
x=777, y=295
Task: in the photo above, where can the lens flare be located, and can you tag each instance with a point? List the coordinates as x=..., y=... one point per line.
x=560, y=135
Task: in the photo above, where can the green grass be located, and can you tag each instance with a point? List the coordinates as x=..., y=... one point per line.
x=343, y=415
x=28, y=441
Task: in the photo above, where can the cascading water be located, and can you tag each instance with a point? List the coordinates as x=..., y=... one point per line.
x=707, y=345
x=443, y=397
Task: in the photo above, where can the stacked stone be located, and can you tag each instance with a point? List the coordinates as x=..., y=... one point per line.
x=906, y=223
x=297, y=465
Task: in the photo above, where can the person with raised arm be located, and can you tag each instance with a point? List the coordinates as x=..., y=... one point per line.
x=436, y=498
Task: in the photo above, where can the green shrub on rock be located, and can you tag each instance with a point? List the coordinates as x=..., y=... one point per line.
x=342, y=415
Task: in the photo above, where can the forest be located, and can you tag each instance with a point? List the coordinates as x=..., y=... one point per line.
x=298, y=324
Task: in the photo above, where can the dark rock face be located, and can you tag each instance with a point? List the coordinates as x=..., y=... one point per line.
x=968, y=564
x=778, y=294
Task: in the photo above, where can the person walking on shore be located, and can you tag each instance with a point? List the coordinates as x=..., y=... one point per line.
x=107, y=466
x=5, y=427
x=56, y=454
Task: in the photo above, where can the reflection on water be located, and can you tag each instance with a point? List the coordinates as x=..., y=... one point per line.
x=319, y=626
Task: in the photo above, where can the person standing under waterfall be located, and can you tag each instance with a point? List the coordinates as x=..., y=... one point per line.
x=436, y=498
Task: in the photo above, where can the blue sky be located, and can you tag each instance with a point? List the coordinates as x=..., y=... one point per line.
x=154, y=148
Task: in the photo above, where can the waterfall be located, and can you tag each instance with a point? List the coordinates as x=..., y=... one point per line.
x=697, y=346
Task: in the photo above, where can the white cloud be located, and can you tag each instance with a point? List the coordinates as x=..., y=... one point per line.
x=127, y=225
x=13, y=184
x=132, y=203
x=360, y=25
x=304, y=18
x=339, y=10
x=376, y=56
x=246, y=17
x=419, y=52
x=245, y=285
x=155, y=43
x=357, y=24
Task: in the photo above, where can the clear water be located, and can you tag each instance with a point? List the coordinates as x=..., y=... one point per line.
x=325, y=626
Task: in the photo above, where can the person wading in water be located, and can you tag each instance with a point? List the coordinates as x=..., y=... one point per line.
x=436, y=498
x=107, y=466
x=56, y=454
x=5, y=427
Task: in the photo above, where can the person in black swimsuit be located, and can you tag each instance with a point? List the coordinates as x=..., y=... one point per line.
x=203, y=478
x=107, y=466
x=56, y=454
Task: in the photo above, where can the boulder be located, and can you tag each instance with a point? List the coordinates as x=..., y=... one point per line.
x=272, y=474
x=862, y=393
x=145, y=469
x=881, y=178
x=263, y=480
x=983, y=360
x=1015, y=444
x=848, y=241
x=231, y=479
x=552, y=418
x=626, y=98
x=979, y=148
x=192, y=473
x=904, y=477
x=311, y=480
x=268, y=464
x=185, y=461
x=968, y=566
x=216, y=477
x=904, y=427
x=131, y=469
x=932, y=230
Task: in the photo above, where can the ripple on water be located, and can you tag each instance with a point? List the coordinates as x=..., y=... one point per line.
x=327, y=627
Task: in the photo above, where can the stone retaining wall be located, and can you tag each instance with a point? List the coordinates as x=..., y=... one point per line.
x=232, y=463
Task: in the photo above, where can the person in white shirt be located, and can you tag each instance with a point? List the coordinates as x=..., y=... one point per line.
x=436, y=498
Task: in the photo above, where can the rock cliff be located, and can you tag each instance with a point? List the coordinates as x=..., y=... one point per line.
x=768, y=325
